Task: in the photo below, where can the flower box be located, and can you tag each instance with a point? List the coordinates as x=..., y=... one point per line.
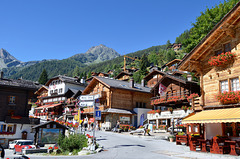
x=221, y=59
x=231, y=97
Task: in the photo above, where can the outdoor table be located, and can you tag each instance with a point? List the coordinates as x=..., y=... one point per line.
x=219, y=146
x=232, y=144
x=203, y=145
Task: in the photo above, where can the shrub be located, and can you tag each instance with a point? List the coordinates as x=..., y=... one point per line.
x=73, y=142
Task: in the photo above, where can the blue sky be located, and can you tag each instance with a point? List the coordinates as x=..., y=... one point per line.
x=58, y=29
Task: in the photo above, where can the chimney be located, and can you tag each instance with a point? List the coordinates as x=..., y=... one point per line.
x=131, y=83
x=1, y=75
x=82, y=80
x=143, y=83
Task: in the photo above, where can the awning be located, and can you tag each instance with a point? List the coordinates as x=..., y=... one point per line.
x=214, y=116
x=48, y=106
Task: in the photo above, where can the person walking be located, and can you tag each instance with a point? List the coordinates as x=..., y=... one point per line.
x=2, y=151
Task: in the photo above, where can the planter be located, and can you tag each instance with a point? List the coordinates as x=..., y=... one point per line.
x=171, y=139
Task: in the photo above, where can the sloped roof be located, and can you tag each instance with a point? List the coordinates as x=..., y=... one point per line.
x=65, y=79
x=20, y=83
x=176, y=78
x=153, y=73
x=112, y=83
x=228, y=21
x=122, y=74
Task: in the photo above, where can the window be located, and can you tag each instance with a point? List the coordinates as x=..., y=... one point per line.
x=144, y=105
x=218, y=52
x=235, y=84
x=227, y=47
x=228, y=129
x=56, y=90
x=60, y=90
x=10, y=128
x=137, y=105
x=224, y=86
x=3, y=128
x=11, y=99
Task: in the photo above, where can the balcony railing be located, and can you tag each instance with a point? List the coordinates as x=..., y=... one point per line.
x=167, y=98
x=90, y=109
x=102, y=94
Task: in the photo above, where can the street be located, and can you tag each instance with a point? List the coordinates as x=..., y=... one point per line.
x=125, y=146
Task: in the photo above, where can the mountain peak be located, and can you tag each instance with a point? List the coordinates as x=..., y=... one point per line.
x=97, y=54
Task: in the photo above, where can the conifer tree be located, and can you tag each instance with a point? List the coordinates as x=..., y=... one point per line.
x=43, y=77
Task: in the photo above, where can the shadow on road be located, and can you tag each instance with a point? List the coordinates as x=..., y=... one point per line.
x=101, y=139
x=118, y=146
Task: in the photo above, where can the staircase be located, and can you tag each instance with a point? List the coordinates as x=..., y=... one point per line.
x=196, y=104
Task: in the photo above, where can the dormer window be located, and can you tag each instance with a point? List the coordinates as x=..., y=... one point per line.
x=218, y=52
x=227, y=47
x=11, y=99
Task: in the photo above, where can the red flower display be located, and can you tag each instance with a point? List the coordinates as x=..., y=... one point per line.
x=192, y=96
x=221, y=59
x=154, y=111
x=231, y=97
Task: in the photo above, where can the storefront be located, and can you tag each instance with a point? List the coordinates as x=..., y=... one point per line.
x=223, y=122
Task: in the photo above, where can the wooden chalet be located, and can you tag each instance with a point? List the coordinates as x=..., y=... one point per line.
x=216, y=61
x=153, y=77
x=62, y=91
x=16, y=97
x=120, y=100
x=170, y=99
x=124, y=76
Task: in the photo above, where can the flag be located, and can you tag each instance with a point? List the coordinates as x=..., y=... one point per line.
x=162, y=89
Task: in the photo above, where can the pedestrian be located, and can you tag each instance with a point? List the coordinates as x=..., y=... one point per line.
x=85, y=123
x=145, y=129
x=2, y=151
x=118, y=124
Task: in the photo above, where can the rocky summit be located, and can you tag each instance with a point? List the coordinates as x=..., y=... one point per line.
x=96, y=54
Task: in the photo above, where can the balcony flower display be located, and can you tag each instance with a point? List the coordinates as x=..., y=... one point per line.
x=192, y=96
x=231, y=97
x=170, y=109
x=154, y=111
x=221, y=59
x=184, y=108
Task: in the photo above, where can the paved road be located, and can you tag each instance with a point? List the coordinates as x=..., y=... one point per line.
x=122, y=146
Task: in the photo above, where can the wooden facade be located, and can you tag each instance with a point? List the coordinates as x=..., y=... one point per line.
x=115, y=97
x=176, y=92
x=216, y=79
x=153, y=78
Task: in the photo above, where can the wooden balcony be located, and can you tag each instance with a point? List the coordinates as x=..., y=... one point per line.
x=103, y=94
x=173, y=97
x=90, y=109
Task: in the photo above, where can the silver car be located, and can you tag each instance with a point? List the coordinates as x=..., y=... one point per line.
x=12, y=144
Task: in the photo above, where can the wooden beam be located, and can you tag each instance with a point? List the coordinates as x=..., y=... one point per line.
x=210, y=45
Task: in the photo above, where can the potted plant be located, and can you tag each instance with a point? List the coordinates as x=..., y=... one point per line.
x=171, y=138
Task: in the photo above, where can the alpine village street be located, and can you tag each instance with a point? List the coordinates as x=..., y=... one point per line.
x=141, y=105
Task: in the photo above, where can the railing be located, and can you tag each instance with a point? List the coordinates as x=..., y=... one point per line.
x=102, y=94
x=90, y=109
x=173, y=97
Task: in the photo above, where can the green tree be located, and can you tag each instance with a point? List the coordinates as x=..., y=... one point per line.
x=144, y=63
x=76, y=71
x=205, y=23
x=43, y=77
x=89, y=74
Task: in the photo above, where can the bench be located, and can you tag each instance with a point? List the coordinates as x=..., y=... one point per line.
x=182, y=139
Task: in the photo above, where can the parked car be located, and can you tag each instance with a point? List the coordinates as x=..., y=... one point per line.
x=23, y=144
x=12, y=144
x=175, y=129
